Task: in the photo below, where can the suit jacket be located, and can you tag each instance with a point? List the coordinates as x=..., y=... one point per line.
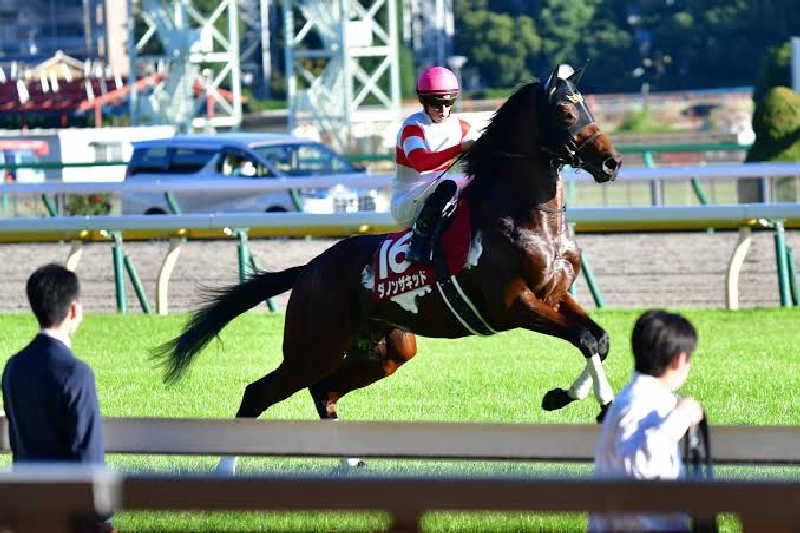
x=51, y=403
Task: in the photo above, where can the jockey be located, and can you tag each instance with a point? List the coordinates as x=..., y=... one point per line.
x=427, y=144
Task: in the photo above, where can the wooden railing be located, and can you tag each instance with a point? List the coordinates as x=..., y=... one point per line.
x=46, y=498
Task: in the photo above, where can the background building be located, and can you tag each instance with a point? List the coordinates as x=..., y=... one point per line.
x=32, y=31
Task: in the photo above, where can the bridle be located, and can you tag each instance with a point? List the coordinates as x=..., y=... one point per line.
x=569, y=152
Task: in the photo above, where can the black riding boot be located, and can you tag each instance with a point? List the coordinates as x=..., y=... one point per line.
x=419, y=251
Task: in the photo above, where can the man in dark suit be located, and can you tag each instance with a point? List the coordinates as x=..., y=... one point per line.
x=49, y=395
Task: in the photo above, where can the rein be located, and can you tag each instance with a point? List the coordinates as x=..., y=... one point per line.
x=570, y=148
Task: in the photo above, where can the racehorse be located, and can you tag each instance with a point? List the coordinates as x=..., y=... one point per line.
x=339, y=337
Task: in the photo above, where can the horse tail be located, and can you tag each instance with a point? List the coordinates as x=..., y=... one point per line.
x=222, y=306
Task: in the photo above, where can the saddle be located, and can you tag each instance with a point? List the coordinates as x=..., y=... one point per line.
x=451, y=240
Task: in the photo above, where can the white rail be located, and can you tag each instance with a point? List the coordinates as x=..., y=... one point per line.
x=181, y=183
x=175, y=227
x=415, y=440
x=663, y=217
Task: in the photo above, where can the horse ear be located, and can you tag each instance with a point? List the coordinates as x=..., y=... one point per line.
x=576, y=76
x=562, y=71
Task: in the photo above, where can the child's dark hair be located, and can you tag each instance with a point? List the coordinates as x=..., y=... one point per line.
x=658, y=336
x=51, y=290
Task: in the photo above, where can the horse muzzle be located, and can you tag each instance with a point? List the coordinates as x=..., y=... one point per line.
x=608, y=169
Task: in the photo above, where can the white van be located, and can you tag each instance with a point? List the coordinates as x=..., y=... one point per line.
x=243, y=156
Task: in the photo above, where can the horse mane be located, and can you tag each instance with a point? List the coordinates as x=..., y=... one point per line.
x=480, y=159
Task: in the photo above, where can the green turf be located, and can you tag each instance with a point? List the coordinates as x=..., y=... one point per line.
x=745, y=371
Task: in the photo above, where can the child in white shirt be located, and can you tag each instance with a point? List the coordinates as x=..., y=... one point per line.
x=641, y=432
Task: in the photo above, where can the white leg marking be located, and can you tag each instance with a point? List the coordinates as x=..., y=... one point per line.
x=602, y=388
x=583, y=384
x=350, y=462
x=227, y=466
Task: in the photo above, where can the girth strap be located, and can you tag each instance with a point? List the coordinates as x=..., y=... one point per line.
x=462, y=307
x=453, y=295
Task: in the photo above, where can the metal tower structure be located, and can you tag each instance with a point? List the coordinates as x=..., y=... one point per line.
x=341, y=64
x=256, y=54
x=428, y=29
x=199, y=54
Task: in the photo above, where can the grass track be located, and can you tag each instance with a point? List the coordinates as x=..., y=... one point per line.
x=746, y=371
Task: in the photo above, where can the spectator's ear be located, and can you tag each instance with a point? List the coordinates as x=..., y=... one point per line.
x=75, y=312
x=680, y=361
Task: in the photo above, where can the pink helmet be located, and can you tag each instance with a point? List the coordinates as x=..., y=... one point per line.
x=439, y=83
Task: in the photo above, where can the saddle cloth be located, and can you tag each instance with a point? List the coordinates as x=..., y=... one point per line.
x=394, y=275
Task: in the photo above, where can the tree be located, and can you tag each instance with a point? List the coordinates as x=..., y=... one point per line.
x=672, y=44
x=564, y=25
x=774, y=70
x=776, y=121
x=500, y=47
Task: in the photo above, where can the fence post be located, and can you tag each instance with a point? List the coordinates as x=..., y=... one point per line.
x=244, y=253
x=255, y=265
x=162, y=306
x=119, y=279
x=172, y=203
x=781, y=258
x=137, y=285
x=297, y=200
x=700, y=193
x=74, y=256
x=655, y=185
x=51, y=210
x=734, y=266
x=697, y=187
x=591, y=282
x=793, y=281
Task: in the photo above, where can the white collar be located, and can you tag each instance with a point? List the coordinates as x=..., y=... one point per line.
x=651, y=384
x=57, y=335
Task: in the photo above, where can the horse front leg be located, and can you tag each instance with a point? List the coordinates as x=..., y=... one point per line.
x=569, y=322
x=595, y=351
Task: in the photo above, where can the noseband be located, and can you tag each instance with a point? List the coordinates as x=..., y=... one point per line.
x=566, y=154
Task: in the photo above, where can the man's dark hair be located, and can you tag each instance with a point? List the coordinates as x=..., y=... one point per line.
x=658, y=336
x=51, y=290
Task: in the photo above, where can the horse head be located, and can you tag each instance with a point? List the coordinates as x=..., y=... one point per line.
x=571, y=135
x=548, y=124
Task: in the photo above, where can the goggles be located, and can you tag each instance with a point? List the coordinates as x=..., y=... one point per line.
x=438, y=100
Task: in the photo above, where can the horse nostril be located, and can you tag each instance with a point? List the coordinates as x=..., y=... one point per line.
x=610, y=164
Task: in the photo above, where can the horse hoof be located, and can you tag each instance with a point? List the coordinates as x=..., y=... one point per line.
x=603, y=412
x=555, y=399
x=353, y=462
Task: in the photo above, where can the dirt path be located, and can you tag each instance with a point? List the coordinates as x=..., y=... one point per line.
x=642, y=270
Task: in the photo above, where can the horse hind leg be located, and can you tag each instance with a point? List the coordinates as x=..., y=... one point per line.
x=278, y=385
x=373, y=356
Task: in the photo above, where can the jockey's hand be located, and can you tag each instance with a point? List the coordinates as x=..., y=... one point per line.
x=466, y=145
x=692, y=409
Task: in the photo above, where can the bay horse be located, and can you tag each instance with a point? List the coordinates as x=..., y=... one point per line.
x=339, y=337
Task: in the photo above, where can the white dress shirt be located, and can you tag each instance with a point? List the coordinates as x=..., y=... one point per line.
x=57, y=335
x=640, y=438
